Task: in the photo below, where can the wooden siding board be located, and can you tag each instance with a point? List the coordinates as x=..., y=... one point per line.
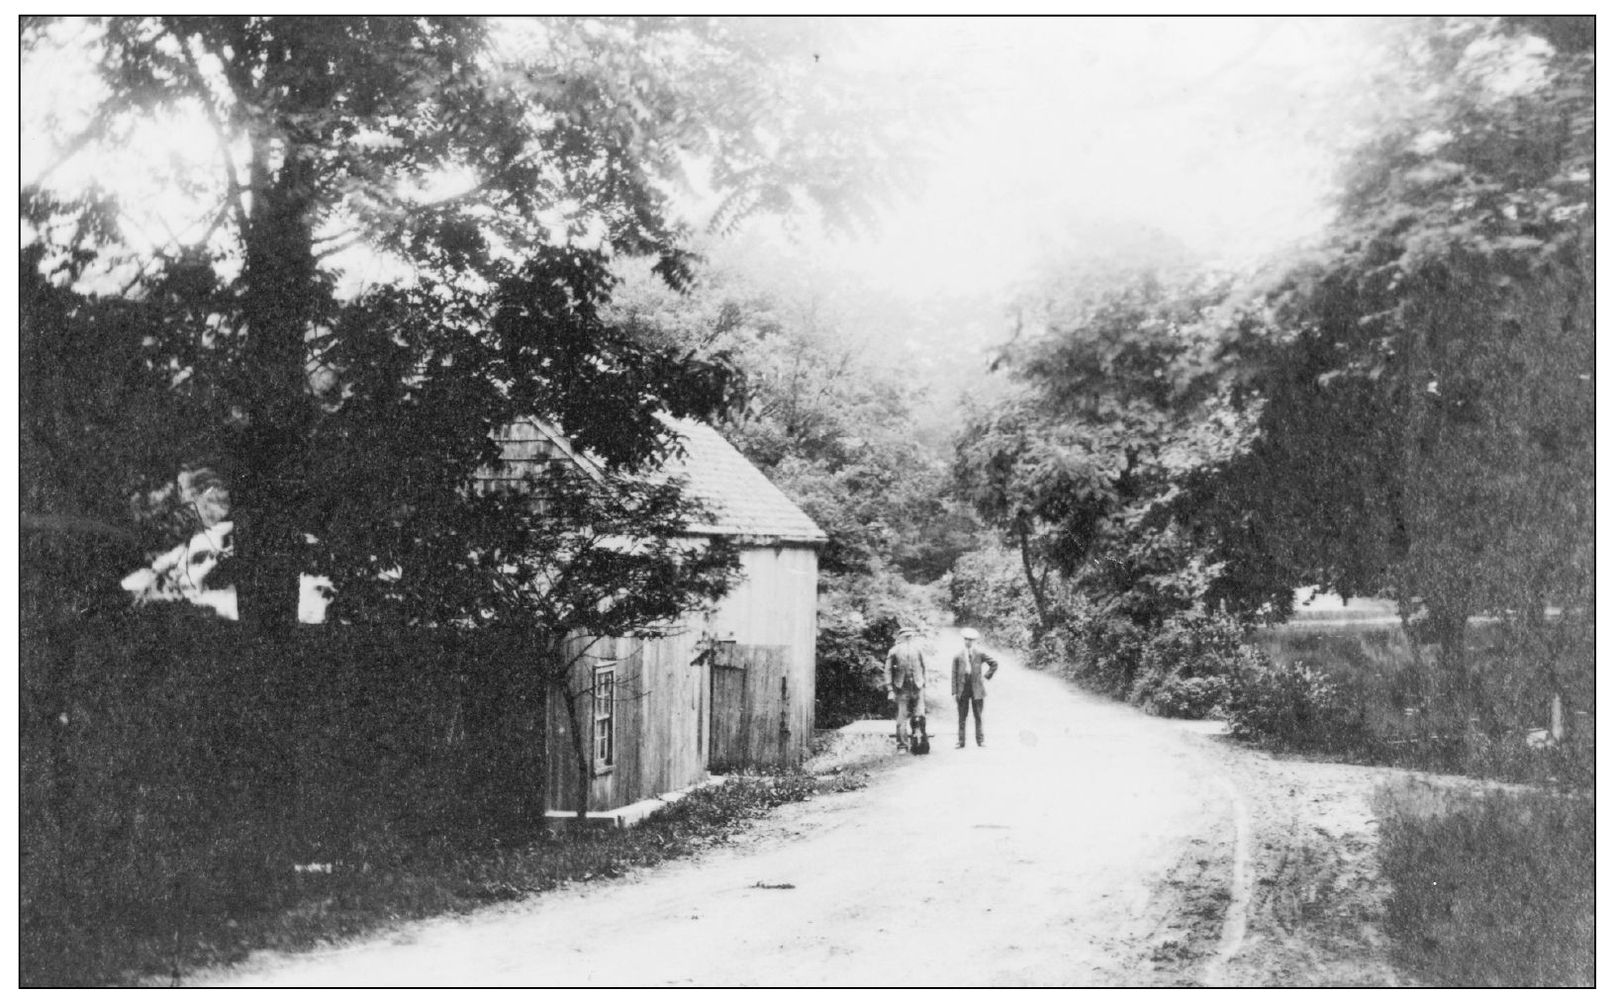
x=728, y=747
x=669, y=724
x=748, y=706
x=776, y=606
x=658, y=721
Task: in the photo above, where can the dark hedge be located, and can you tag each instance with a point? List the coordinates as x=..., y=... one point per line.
x=175, y=768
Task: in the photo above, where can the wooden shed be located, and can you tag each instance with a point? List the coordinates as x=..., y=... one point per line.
x=727, y=688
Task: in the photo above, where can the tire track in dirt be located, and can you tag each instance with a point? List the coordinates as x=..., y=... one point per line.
x=1235, y=914
x=1280, y=883
x=1195, y=912
x=1315, y=916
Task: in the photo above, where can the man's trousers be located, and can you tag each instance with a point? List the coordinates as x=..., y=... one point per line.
x=966, y=703
x=910, y=702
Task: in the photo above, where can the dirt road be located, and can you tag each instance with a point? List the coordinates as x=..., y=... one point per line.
x=1087, y=844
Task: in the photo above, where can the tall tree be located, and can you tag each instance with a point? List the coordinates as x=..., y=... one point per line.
x=1122, y=405
x=1428, y=428
x=492, y=169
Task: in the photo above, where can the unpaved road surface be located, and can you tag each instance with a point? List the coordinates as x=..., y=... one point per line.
x=1087, y=844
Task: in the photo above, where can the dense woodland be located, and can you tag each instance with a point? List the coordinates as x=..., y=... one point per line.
x=1406, y=410
x=409, y=232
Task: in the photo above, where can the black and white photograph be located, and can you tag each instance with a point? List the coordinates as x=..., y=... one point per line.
x=826, y=501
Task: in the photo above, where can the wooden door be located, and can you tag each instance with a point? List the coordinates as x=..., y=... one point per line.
x=750, y=707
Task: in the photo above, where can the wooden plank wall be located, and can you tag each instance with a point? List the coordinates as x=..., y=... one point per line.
x=751, y=708
x=727, y=739
x=777, y=606
x=661, y=721
x=671, y=704
x=664, y=709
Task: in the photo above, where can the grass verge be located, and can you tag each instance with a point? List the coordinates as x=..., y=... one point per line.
x=1491, y=889
x=336, y=901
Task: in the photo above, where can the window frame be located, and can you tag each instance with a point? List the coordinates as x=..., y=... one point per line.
x=603, y=718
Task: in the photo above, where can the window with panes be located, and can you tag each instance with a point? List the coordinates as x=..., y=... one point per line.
x=605, y=696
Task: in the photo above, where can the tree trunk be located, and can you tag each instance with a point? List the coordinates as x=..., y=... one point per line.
x=1426, y=691
x=543, y=732
x=1040, y=604
x=553, y=673
x=266, y=541
x=282, y=299
x=1449, y=626
x=586, y=767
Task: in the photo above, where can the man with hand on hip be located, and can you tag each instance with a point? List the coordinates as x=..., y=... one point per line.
x=966, y=683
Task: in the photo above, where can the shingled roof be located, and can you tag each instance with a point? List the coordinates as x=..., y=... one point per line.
x=743, y=501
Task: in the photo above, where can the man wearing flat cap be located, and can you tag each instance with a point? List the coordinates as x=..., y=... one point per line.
x=906, y=682
x=966, y=683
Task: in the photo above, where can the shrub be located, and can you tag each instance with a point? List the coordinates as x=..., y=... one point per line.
x=1290, y=703
x=1194, y=644
x=1111, y=647
x=1179, y=668
x=1494, y=890
x=1190, y=697
x=987, y=590
x=859, y=619
x=1186, y=666
x=848, y=672
x=174, y=768
x=1056, y=650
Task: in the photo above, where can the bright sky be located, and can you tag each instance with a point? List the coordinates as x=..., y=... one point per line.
x=1213, y=130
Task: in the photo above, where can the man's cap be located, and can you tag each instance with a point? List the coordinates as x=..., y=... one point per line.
x=908, y=630
x=969, y=633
